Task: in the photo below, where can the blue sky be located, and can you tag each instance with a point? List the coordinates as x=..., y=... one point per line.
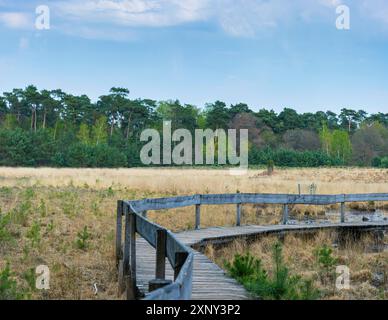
x=266, y=53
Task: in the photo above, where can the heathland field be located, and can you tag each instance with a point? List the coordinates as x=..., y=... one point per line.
x=65, y=218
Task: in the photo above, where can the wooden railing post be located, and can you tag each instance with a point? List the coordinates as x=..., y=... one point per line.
x=130, y=265
x=343, y=212
x=238, y=222
x=127, y=240
x=119, y=231
x=197, y=216
x=161, y=252
x=285, y=214
x=124, y=268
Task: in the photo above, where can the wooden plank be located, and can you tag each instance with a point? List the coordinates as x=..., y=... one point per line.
x=164, y=203
x=161, y=254
x=174, y=246
x=127, y=241
x=366, y=197
x=192, y=285
x=131, y=279
x=197, y=216
x=225, y=199
x=285, y=213
x=342, y=212
x=147, y=229
x=185, y=278
x=209, y=281
x=119, y=232
x=238, y=218
x=171, y=292
x=193, y=272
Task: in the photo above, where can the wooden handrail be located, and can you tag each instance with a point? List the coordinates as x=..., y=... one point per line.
x=166, y=245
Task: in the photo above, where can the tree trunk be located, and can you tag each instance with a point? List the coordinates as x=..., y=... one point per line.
x=35, y=119
x=32, y=120
x=128, y=126
x=44, y=120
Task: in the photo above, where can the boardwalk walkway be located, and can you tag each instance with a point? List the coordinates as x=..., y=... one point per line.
x=209, y=281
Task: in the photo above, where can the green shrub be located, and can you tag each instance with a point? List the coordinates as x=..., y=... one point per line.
x=42, y=208
x=8, y=286
x=326, y=262
x=376, y=162
x=20, y=147
x=5, y=221
x=82, y=239
x=34, y=234
x=277, y=284
x=380, y=162
x=81, y=155
x=19, y=214
x=30, y=277
x=384, y=162
x=292, y=158
x=244, y=267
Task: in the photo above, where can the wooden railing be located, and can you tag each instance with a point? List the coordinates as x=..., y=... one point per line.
x=166, y=245
x=181, y=257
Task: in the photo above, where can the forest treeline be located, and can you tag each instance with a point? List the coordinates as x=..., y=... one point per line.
x=54, y=128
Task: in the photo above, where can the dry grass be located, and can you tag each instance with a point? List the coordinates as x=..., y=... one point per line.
x=299, y=255
x=188, y=181
x=63, y=201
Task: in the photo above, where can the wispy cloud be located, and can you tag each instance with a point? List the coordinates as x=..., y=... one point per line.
x=16, y=20
x=135, y=13
x=236, y=17
x=240, y=18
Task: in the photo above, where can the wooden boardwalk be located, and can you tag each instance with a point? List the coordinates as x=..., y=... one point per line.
x=209, y=281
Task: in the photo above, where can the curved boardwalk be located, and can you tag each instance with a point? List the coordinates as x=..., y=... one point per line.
x=209, y=281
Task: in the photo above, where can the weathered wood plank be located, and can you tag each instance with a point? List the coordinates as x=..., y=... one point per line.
x=147, y=230
x=195, y=275
x=225, y=199
x=191, y=285
x=161, y=253
x=131, y=284
x=197, y=216
x=238, y=213
x=119, y=232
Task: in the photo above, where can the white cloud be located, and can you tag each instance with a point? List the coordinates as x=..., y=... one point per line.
x=15, y=20
x=135, y=13
x=240, y=18
x=236, y=17
x=246, y=17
